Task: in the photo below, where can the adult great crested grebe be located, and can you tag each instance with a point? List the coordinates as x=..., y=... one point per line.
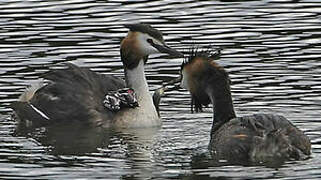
x=78, y=93
x=259, y=138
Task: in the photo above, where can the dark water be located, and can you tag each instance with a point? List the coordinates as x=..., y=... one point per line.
x=271, y=49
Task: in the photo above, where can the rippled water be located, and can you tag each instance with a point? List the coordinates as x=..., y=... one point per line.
x=271, y=48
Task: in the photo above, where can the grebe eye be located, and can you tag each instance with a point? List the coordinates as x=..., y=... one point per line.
x=150, y=41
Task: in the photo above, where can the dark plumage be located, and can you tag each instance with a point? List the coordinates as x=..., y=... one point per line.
x=145, y=28
x=259, y=138
x=72, y=94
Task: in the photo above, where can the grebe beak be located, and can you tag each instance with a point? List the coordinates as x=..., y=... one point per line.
x=166, y=49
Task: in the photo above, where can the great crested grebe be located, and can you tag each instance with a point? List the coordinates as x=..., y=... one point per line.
x=258, y=138
x=78, y=93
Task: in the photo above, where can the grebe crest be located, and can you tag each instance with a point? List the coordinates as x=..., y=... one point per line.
x=198, y=70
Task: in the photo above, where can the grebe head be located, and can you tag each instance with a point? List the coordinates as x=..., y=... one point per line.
x=141, y=41
x=200, y=74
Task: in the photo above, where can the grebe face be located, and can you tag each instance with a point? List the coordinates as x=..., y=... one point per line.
x=150, y=40
x=141, y=41
x=146, y=42
x=161, y=47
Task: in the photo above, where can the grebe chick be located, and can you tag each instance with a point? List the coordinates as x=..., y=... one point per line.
x=258, y=138
x=78, y=93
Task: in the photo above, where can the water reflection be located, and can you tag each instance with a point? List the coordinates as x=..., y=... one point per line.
x=72, y=143
x=80, y=139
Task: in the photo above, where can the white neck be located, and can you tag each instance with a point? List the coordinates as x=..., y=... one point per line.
x=145, y=115
x=135, y=78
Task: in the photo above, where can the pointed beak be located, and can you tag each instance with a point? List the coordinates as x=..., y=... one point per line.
x=170, y=51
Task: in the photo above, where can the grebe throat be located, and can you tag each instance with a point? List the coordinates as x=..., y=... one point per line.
x=135, y=78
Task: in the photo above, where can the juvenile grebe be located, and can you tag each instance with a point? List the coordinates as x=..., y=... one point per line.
x=78, y=93
x=259, y=138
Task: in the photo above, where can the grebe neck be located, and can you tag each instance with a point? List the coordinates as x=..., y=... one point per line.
x=135, y=78
x=223, y=109
x=145, y=115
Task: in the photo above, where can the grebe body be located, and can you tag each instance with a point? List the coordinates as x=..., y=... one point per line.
x=258, y=138
x=77, y=94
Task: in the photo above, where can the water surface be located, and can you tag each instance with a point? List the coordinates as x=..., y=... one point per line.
x=271, y=48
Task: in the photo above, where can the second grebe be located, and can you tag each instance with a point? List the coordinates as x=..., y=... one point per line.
x=259, y=138
x=78, y=93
